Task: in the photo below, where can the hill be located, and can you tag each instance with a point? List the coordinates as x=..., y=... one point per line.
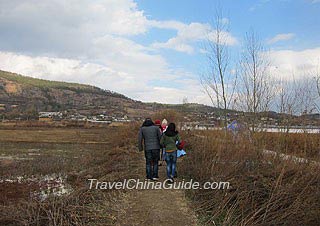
x=22, y=93
x=27, y=95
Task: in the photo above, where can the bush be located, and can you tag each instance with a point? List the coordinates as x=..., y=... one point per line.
x=264, y=191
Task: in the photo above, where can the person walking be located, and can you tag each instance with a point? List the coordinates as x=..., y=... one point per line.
x=163, y=127
x=149, y=140
x=157, y=122
x=169, y=140
x=162, y=154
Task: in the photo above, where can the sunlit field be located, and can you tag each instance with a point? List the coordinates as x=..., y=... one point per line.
x=44, y=172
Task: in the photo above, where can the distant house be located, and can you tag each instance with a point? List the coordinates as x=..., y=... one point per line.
x=198, y=126
x=49, y=116
x=77, y=117
x=205, y=127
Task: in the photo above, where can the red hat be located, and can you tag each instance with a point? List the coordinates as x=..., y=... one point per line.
x=157, y=122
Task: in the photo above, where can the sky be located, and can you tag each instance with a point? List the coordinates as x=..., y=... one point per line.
x=151, y=50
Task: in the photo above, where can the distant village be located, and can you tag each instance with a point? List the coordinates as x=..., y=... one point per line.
x=192, y=121
x=99, y=118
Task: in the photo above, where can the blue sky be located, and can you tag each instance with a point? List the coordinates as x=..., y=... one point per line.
x=150, y=50
x=268, y=18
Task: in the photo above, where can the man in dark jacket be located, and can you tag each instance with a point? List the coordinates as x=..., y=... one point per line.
x=149, y=137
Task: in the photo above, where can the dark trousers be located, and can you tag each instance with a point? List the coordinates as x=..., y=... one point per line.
x=152, y=158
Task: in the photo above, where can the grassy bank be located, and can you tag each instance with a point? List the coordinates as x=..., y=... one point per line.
x=265, y=190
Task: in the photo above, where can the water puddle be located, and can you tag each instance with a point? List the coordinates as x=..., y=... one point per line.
x=41, y=187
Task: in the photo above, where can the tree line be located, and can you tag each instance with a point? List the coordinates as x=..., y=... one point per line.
x=248, y=84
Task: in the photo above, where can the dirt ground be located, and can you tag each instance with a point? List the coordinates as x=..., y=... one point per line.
x=156, y=207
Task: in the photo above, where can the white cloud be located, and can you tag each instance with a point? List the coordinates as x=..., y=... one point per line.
x=74, y=71
x=225, y=37
x=281, y=37
x=189, y=34
x=175, y=44
x=166, y=24
x=124, y=82
x=122, y=54
x=57, y=69
x=288, y=63
x=314, y=1
x=90, y=41
x=296, y=71
x=66, y=28
x=224, y=21
x=111, y=16
x=191, y=89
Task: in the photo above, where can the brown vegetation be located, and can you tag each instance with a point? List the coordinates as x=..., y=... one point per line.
x=78, y=154
x=299, y=144
x=264, y=190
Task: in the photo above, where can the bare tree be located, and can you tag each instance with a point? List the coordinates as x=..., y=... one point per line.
x=185, y=100
x=318, y=83
x=219, y=84
x=296, y=97
x=306, y=96
x=255, y=92
x=317, y=79
x=287, y=104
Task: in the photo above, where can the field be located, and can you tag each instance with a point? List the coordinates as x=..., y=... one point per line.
x=44, y=174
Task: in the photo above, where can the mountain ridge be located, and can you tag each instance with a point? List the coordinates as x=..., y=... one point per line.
x=21, y=93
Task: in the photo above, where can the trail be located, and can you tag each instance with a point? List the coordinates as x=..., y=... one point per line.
x=156, y=207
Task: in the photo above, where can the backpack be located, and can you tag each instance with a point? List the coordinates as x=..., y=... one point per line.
x=181, y=145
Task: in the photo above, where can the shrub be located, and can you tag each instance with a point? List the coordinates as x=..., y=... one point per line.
x=264, y=190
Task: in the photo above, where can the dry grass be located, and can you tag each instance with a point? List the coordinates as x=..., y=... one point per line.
x=34, y=124
x=299, y=144
x=83, y=207
x=264, y=191
x=102, y=153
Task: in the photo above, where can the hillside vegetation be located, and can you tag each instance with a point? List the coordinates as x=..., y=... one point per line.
x=47, y=84
x=21, y=94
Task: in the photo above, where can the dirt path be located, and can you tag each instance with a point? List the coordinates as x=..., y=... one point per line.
x=157, y=207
